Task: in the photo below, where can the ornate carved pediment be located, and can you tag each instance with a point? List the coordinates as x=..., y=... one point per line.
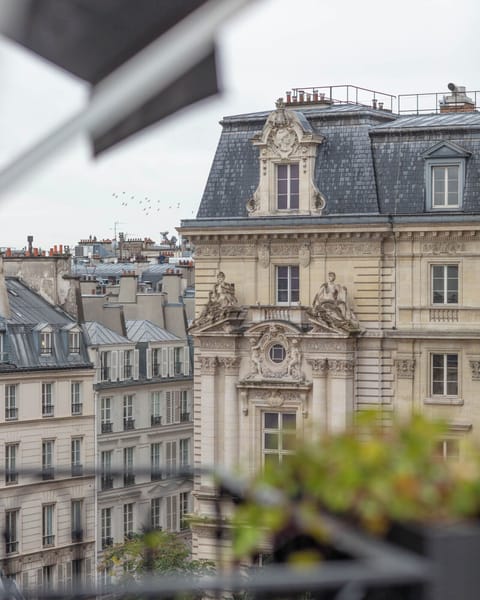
x=286, y=138
x=275, y=352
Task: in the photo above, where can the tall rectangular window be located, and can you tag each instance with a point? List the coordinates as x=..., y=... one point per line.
x=11, y=409
x=106, y=469
x=106, y=527
x=184, y=501
x=76, y=397
x=48, y=525
x=185, y=452
x=445, y=284
x=128, y=474
x=444, y=374
x=77, y=521
x=446, y=191
x=11, y=531
x=178, y=361
x=156, y=362
x=128, y=520
x=172, y=513
x=45, y=342
x=184, y=406
x=171, y=457
x=106, y=415
x=76, y=457
x=11, y=473
x=287, y=186
x=47, y=400
x=47, y=459
x=288, y=284
x=155, y=507
x=3, y=353
x=279, y=435
x=155, y=464
x=169, y=407
x=128, y=420
x=74, y=342
x=156, y=416
x=128, y=364
x=104, y=366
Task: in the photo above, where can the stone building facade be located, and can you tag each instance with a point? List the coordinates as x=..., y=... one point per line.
x=336, y=252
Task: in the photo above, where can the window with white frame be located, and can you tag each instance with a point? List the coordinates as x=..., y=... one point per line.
x=287, y=186
x=446, y=185
x=169, y=407
x=48, y=448
x=184, y=502
x=106, y=469
x=11, y=530
x=184, y=451
x=11, y=409
x=184, y=406
x=48, y=524
x=128, y=474
x=76, y=510
x=11, y=456
x=171, y=504
x=106, y=415
x=171, y=457
x=76, y=397
x=45, y=342
x=155, y=461
x=448, y=449
x=444, y=374
x=128, y=420
x=105, y=366
x=106, y=527
x=47, y=400
x=3, y=353
x=76, y=457
x=74, y=342
x=279, y=435
x=444, y=284
x=128, y=520
x=178, y=361
x=287, y=284
x=156, y=414
x=155, y=513
x=156, y=362
x=128, y=364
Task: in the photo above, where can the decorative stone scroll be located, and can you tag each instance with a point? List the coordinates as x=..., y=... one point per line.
x=405, y=368
x=331, y=309
x=340, y=367
x=274, y=355
x=319, y=366
x=230, y=363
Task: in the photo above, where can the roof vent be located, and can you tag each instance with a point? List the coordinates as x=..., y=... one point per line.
x=457, y=101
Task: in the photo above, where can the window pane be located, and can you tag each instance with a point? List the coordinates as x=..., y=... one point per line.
x=271, y=420
x=294, y=200
x=272, y=459
x=289, y=421
x=282, y=202
x=271, y=441
x=282, y=171
x=294, y=171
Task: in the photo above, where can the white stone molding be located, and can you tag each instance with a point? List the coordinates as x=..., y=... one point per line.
x=405, y=368
x=217, y=343
x=341, y=367
x=238, y=250
x=208, y=364
x=207, y=250
x=319, y=366
x=264, y=254
x=230, y=364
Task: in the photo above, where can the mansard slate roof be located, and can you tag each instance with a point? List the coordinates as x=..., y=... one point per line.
x=29, y=314
x=146, y=331
x=371, y=164
x=97, y=334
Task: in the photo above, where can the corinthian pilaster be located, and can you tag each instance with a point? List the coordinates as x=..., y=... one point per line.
x=319, y=393
x=340, y=368
x=231, y=411
x=208, y=364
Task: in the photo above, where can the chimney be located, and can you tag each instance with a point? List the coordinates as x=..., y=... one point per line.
x=4, y=303
x=128, y=287
x=172, y=284
x=30, y=244
x=457, y=101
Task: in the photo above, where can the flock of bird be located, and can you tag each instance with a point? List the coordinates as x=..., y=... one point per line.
x=146, y=205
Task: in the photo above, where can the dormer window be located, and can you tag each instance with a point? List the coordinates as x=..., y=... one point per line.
x=74, y=342
x=45, y=342
x=445, y=176
x=288, y=186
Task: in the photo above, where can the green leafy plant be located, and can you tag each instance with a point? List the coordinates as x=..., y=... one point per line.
x=156, y=551
x=371, y=474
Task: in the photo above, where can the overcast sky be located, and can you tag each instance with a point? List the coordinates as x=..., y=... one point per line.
x=272, y=46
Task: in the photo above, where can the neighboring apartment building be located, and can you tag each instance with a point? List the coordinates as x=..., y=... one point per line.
x=143, y=390
x=337, y=269
x=47, y=492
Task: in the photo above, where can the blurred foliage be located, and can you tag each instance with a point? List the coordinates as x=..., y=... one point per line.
x=372, y=475
x=158, y=552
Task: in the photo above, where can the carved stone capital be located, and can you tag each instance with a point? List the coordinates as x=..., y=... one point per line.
x=340, y=367
x=405, y=368
x=475, y=366
x=319, y=366
x=208, y=364
x=230, y=363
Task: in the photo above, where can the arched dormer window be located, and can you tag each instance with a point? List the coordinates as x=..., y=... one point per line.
x=288, y=148
x=445, y=176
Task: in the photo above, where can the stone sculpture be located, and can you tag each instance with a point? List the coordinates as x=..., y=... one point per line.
x=331, y=309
